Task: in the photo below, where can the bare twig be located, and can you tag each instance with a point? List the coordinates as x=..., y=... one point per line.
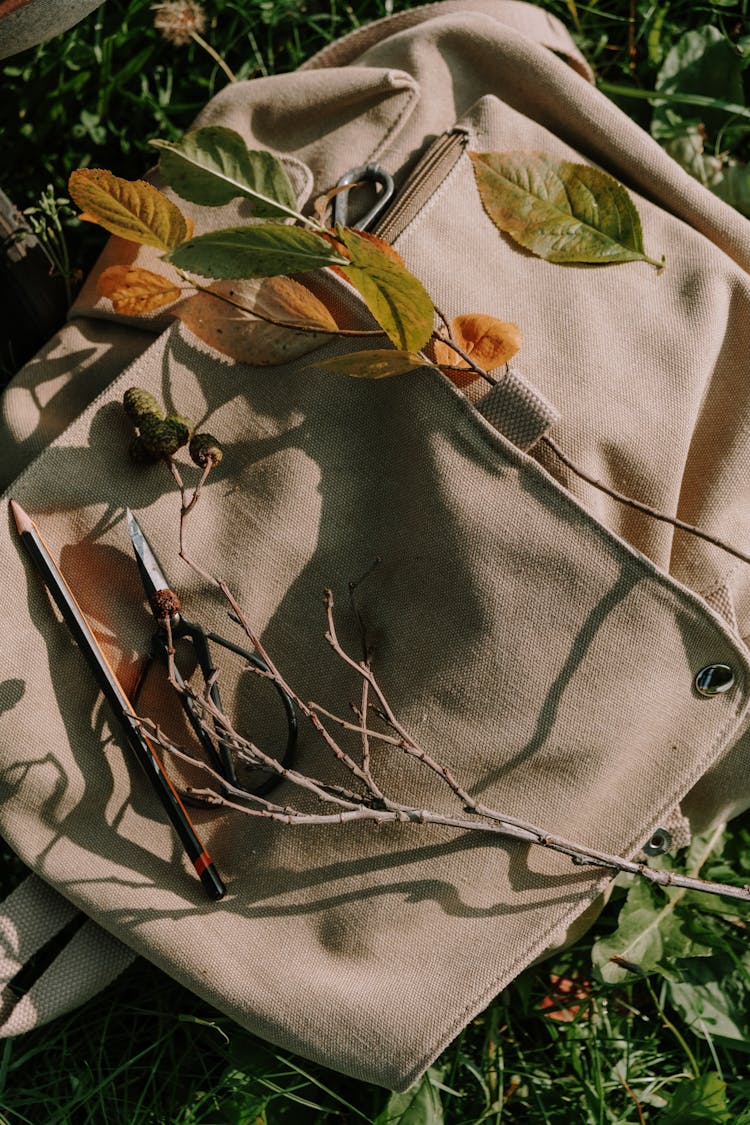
x=372, y=804
x=639, y=506
x=473, y=365
x=498, y=824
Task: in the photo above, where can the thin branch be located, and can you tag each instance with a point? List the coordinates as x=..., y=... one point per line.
x=499, y=825
x=446, y=323
x=156, y=734
x=473, y=365
x=374, y=805
x=576, y=851
x=380, y=736
x=621, y=498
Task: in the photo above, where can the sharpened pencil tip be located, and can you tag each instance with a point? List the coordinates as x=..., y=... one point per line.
x=23, y=519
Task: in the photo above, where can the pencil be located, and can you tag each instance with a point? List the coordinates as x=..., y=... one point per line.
x=118, y=700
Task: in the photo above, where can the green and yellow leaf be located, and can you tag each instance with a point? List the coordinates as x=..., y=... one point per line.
x=260, y=250
x=213, y=165
x=228, y=320
x=134, y=291
x=397, y=300
x=132, y=209
x=560, y=211
x=380, y=363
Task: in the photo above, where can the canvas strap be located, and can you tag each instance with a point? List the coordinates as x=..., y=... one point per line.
x=518, y=411
x=30, y=917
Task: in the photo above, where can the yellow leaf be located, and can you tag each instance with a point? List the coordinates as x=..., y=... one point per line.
x=561, y=211
x=382, y=363
x=488, y=341
x=239, y=334
x=134, y=291
x=132, y=209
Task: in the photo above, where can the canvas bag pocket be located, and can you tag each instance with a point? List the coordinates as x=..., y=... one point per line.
x=481, y=551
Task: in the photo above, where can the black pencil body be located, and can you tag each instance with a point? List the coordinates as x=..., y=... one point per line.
x=118, y=700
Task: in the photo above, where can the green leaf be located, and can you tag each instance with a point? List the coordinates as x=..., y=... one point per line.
x=713, y=998
x=397, y=300
x=131, y=209
x=419, y=1105
x=213, y=165
x=732, y=185
x=703, y=62
x=380, y=363
x=687, y=148
x=560, y=211
x=698, y=1101
x=260, y=250
x=649, y=932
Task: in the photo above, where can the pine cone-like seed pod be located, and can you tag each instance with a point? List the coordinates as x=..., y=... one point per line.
x=205, y=450
x=141, y=404
x=183, y=422
x=140, y=453
x=163, y=438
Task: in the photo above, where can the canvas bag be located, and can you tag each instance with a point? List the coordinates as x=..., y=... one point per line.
x=539, y=638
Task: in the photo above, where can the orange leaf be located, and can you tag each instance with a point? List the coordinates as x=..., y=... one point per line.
x=134, y=291
x=488, y=341
x=239, y=334
x=567, y=999
x=282, y=298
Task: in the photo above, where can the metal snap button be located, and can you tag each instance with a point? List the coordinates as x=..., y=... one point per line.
x=660, y=842
x=714, y=679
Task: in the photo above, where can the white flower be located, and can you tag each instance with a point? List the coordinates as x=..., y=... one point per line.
x=177, y=20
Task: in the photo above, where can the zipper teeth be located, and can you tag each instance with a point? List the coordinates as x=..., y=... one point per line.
x=440, y=158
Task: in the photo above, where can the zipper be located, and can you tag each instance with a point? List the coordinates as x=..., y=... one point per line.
x=439, y=160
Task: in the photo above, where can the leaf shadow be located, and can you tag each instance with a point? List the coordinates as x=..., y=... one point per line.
x=11, y=693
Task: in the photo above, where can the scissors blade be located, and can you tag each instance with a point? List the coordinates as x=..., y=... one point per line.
x=152, y=576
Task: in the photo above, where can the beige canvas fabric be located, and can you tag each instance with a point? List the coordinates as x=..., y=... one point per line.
x=538, y=638
x=24, y=23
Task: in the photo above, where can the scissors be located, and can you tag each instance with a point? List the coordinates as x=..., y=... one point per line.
x=172, y=626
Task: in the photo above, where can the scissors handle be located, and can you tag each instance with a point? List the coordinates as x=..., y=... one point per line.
x=221, y=749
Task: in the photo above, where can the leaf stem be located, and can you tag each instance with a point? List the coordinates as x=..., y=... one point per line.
x=197, y=38
x=473, y=366
x=281, y=323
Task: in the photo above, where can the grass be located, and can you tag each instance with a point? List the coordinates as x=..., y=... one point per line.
x=658, y=1046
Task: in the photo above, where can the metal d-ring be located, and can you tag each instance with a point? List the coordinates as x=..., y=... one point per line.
x=367, y=173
